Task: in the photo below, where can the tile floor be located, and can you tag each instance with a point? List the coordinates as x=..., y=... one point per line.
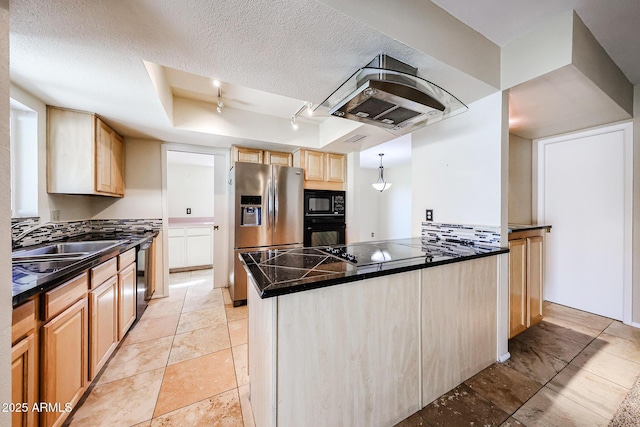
x=184, y=364
x=572, y=369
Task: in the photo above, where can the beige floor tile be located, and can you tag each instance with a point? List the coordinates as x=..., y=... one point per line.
x=200, y=299
x=556, y=341
x=179, y=278
x=587, y=333
x=245, y=404
x=221, y=410
x=532, y=362
x=163, y=307
x=124, y=402
x=199, y=342
x=512, y=422
x=137, y=358
x=194, y=380
x=621, y=330
x=236, y=313
x=589, y=390
x=151, y=328
x=548, y=408
x=619, y=346
x=204, y=273
x=143, y=424
x=206, y=318
x=577, y=316
x=238, y=332
x=240, y=361
x=609, y=366
x=227, y=296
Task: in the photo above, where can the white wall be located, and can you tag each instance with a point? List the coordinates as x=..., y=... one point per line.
x=456, y=167
x=190, y=186
x=520, y=180
x=5, y=217
x=636, y=209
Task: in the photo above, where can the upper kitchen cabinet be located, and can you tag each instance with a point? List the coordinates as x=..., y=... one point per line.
x=84, y=155
x=254, y=155
x=322, y=171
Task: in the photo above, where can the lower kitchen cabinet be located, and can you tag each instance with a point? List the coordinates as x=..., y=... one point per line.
x=526, y=277
x=190, y=246
x=103, y=308
x=126, y=299
x=24, y=365
x=64, y=366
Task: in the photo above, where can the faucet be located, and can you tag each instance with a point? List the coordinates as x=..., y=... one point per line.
x=25, y=233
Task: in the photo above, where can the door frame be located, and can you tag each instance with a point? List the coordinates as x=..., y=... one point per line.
x=221, y=211
x=538, y=196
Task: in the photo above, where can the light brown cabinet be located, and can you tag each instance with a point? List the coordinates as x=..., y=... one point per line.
x=84, y=155
x=64, y=353
x=526, y=276
x=126, y=292
x=103, y=316
x=24, y=365
x=255, y=155
x=322, y=171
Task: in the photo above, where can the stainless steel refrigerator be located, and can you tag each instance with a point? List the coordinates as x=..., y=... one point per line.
x=267, y=203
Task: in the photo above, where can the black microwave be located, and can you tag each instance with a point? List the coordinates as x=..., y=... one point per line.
x=324, y=203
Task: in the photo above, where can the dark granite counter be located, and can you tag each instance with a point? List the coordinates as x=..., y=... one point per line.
x=283, y=271
x=32, y=278
x=526, y=227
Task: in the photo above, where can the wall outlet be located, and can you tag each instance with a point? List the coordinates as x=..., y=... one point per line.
x=372, y=234
x=188, y=211
x=429, y=214
x=55, y=215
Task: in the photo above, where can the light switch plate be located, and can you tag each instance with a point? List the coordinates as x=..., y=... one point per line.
x=429, y=214
x=55, y=215
x=188, y=211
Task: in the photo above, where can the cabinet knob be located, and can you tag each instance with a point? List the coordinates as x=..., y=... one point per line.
x=216, y=227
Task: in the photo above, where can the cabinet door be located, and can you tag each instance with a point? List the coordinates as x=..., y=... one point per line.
x=278, y=158
x=103, y=324
x=177, y=248
x=535, y=278
x=247, y=155
x=126, y=299
x=199, y=246
x=117, y=164
x=23, y=380
x=336, y=170
x=64, y=366
x=517, y=286
x=314, y=166
x=104, y=176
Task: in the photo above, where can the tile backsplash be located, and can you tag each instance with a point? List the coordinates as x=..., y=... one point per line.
x=467, y=235
x=66, y=229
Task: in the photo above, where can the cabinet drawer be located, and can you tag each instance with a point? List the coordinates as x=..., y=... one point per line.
x=24, y=321
x=102, y=272
x=199, y=231
x=126, y=258
x=176, y=232
x=58, y=299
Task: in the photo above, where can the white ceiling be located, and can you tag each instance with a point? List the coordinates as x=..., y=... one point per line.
x=88, y=55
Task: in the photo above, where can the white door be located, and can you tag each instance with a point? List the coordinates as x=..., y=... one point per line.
x=584, y=183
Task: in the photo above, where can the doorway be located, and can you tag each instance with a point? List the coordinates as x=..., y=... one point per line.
x=584, y=193
x=194, y=206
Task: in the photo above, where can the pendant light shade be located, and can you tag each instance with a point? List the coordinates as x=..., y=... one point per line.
x=381, y=184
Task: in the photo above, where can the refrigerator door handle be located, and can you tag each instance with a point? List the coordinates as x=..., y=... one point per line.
x=270, y=213
x=275, y=202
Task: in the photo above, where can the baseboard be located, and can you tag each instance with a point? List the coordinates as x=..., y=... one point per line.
x=504, y=357
x=635, y=324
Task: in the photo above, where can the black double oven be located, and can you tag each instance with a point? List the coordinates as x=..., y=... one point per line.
x=324, y=218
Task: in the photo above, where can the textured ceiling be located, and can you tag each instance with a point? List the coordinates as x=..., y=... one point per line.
x=613, y=23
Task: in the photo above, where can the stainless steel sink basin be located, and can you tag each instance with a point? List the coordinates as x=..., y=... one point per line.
x=63, y=251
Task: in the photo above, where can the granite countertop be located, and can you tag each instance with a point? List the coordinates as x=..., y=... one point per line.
x=32, y=278
x=527, y=227
x=283, y=271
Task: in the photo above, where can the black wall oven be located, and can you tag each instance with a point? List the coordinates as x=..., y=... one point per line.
x=324, y=218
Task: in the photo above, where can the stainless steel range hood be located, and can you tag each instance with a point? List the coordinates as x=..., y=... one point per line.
x=388, y=93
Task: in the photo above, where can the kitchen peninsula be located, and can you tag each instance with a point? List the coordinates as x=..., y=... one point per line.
x=367, y=333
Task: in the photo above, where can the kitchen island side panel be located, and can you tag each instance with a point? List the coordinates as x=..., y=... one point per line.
x=459, y=323
x=262, y=356
x=349, y=354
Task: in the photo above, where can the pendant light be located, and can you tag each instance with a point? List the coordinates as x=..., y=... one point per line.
x=381, y=184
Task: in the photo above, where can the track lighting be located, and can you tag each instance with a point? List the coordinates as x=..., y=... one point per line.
x=308, y=106
x=220, y=106
x=294, y=125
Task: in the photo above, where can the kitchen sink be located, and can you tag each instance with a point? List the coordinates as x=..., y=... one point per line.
x=63, y=251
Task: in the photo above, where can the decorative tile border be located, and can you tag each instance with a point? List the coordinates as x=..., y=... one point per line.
x=65, y=229
x=459, y=234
